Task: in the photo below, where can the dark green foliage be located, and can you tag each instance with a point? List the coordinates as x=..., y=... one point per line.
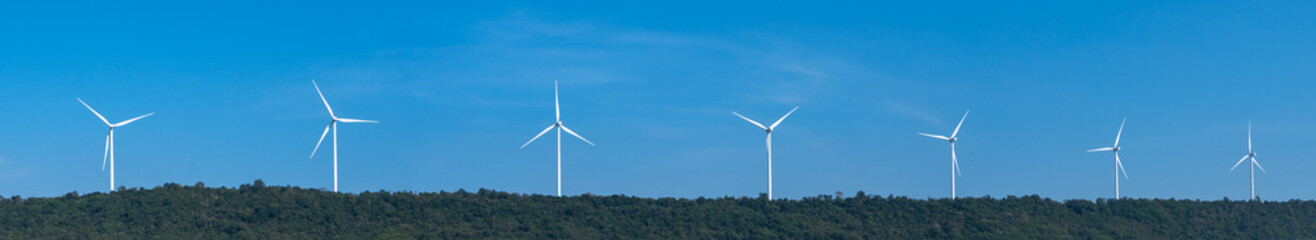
x=257, y=211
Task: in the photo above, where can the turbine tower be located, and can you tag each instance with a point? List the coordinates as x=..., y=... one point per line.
x=109, y=139
x=334, y=125
x=1254, y=165
x=954, y=162
x=1119, y=167
x=769, y=130
x=557, y=110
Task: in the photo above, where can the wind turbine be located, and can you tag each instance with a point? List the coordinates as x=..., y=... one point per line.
x=557, y=111
x=109, y=139
x=1255, y=165
x=954, y=162
x=1119, y=167
x=769, y=130
x=334, y=125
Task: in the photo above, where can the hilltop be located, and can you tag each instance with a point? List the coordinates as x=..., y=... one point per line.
x=174, y=211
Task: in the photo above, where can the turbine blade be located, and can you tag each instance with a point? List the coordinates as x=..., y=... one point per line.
x=1120, y=165
x=750, y=121
x=1101, y=149
x=349, y=120
x=1249, y=137
x=1240, y=161
x=557, y=107
x=954, y=161
x=126, y=122
x=564, y=127
x=783, y=117
x=1117, y=134
x=317, y=143
x=550, y=127
x=107, y=150
x=957, y=168
x=93, y=111
x=935, y=136
x=957, y=126
x=326, y=102
x=1254, y=161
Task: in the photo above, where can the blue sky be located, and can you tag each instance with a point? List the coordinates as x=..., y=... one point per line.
x=459, y=88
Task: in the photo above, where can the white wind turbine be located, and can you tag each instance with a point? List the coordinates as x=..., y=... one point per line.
x=109, y=139
x=557, y=111
x=769, y=129
x=334, y=125
x=954, y=162
x=1254, y=165
x=1119, y=167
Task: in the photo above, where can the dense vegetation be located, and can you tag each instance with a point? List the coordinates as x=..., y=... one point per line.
x=255, y=211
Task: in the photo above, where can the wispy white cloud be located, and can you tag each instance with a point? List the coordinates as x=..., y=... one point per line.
x=520, y=26
x=11, y=172
x=803, y=70
x=521, y=50
x=915, y=112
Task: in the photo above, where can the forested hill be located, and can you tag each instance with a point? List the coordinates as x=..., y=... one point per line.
x=255, y=211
